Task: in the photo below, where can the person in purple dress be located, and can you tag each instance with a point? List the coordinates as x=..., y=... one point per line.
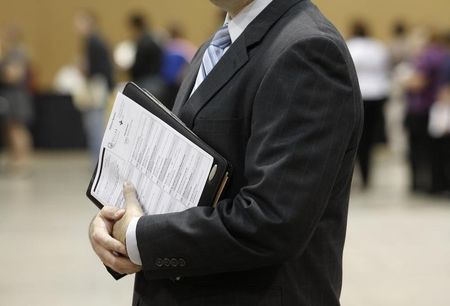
x=422, y=91
x=440, y=129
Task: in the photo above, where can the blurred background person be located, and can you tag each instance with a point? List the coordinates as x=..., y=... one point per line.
x=439, y=127
x=15, y=97
x=399, y=47
x=146, y=68
x=372, y=64
x=97, y=68
x=422, y=89
x=400, y=52
x=178, y=53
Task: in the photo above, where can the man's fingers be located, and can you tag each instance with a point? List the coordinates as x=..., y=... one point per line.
x=111, y=213
x=118, y=263
x=111, y=251
x=123, y=265
x=109, y=243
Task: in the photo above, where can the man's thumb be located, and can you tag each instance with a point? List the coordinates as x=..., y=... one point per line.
x=129, y=193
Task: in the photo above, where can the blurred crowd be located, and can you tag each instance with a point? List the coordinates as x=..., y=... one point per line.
x=155, y=60
x=411, y=72
x=405, y=85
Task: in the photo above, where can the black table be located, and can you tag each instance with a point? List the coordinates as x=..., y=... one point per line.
x=57, y=123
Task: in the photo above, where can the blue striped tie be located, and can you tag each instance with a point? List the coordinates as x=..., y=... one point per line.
x=220, y=42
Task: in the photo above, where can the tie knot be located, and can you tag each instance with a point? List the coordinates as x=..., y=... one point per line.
x=222, y=38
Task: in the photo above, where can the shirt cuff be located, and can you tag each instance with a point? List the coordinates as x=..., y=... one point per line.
x=131, y=242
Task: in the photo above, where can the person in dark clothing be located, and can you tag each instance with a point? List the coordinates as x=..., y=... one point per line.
x=98, y=59
x=422, y=89
x=16, y=111
x=149, y=55
x=372, y=64
x=98, y=69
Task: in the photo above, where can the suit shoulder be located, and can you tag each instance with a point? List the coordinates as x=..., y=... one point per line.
x=304, y=23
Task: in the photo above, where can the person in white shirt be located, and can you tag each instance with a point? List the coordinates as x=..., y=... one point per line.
x=372, y=63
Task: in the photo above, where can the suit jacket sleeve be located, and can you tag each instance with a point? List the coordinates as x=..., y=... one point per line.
x=302, y=123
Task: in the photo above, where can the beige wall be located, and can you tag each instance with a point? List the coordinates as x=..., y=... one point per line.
x=48, y=24
x=382, y=13
x=49, y=30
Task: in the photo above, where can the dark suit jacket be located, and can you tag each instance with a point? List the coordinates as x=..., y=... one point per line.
x=284, y=107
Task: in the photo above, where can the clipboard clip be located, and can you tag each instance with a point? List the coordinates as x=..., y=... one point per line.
x=220, y=190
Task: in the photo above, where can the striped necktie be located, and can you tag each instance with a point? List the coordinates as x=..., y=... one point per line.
x=219, y=44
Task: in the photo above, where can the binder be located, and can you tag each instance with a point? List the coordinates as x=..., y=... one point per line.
x=220, y=170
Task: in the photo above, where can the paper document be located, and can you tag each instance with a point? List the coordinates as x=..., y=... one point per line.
x=168, y=170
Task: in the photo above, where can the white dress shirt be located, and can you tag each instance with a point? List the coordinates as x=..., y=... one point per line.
x=236, y=26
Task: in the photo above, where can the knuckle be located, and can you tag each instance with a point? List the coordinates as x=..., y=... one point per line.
x=113, y=262
x=94, y=236
x=101, y=240
x=113, y=245
x=108, y=210
x=109, y=244
x=104, y=211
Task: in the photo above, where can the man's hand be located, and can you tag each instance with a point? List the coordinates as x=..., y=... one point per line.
x=132, y=210
x=111, y=252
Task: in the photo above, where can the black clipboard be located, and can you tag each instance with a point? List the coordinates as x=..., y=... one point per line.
x=220, y=170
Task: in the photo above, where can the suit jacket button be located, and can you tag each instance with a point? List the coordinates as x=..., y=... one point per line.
x=159, y=262
x=182, y=262
x=174, y=262
x=166, y=262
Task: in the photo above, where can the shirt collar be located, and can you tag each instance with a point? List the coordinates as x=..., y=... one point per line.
x=238, y=24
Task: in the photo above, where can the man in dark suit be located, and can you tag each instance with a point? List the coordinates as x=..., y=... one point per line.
x=282, y=104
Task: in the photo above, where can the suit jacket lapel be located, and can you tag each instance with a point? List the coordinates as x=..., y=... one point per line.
x=233, y=60
x=229, y=64
x=189, y=81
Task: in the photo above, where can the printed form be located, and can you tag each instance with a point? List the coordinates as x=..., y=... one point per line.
x=168, y=170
